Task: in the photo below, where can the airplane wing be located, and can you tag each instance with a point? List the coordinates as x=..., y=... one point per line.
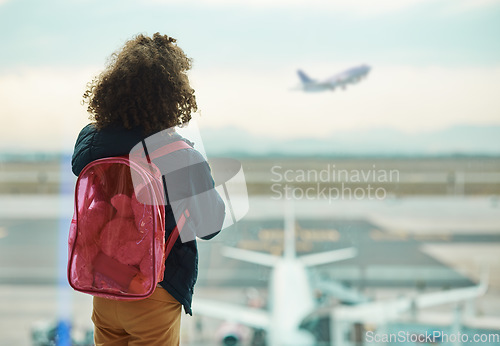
x=250, y=256
x=348, y=76
x=252, y=317
x=346, y=295
x=381, y=311
x=384, y=311
x=334, y=80
x=328, y=257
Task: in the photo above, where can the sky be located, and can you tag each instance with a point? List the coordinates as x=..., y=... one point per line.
x=435, y=63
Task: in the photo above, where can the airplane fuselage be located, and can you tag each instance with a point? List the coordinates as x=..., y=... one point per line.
x=291, y=299
x=341, y=80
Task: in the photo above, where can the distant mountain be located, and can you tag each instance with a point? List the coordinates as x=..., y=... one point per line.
x=465, y=140
x=455, y=140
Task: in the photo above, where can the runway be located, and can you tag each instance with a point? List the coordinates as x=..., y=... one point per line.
x=392, y=256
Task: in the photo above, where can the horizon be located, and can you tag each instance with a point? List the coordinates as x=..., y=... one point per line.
x=343, y=145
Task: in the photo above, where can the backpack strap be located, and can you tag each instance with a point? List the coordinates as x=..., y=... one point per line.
x=169, y=148
x=172, y=238
x=165, y=150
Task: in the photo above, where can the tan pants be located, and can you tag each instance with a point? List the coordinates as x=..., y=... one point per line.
x=152, y=321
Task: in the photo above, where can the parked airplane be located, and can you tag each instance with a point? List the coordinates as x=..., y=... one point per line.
x=292, y=302
x=341, y=79
x=291, y=296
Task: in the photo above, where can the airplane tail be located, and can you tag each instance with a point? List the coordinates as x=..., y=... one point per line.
x=289, y=240
x=264, y=259
x=304, y=78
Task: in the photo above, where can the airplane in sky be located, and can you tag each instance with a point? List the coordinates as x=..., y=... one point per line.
x=292, y=300
x=342, y=79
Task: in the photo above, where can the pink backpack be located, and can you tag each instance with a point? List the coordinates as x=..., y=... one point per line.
x=117, y=246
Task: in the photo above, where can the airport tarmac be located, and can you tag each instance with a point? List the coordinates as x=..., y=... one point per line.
x=25, y=308
x=397, y=258
x=386, y=253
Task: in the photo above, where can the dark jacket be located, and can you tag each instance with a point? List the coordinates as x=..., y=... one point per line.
x=181, y=266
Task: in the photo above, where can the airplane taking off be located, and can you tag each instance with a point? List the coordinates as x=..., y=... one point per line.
x=341, y=79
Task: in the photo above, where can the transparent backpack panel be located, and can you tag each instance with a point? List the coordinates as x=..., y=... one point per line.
x=114, y=245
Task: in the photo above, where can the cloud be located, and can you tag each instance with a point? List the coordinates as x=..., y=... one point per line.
x=40, y=108
x=356, y=7
x=457, y=7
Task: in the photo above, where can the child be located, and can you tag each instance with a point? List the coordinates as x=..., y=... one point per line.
x=145, y=90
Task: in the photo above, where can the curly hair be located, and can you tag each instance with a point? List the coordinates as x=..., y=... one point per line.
x=144, y=85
